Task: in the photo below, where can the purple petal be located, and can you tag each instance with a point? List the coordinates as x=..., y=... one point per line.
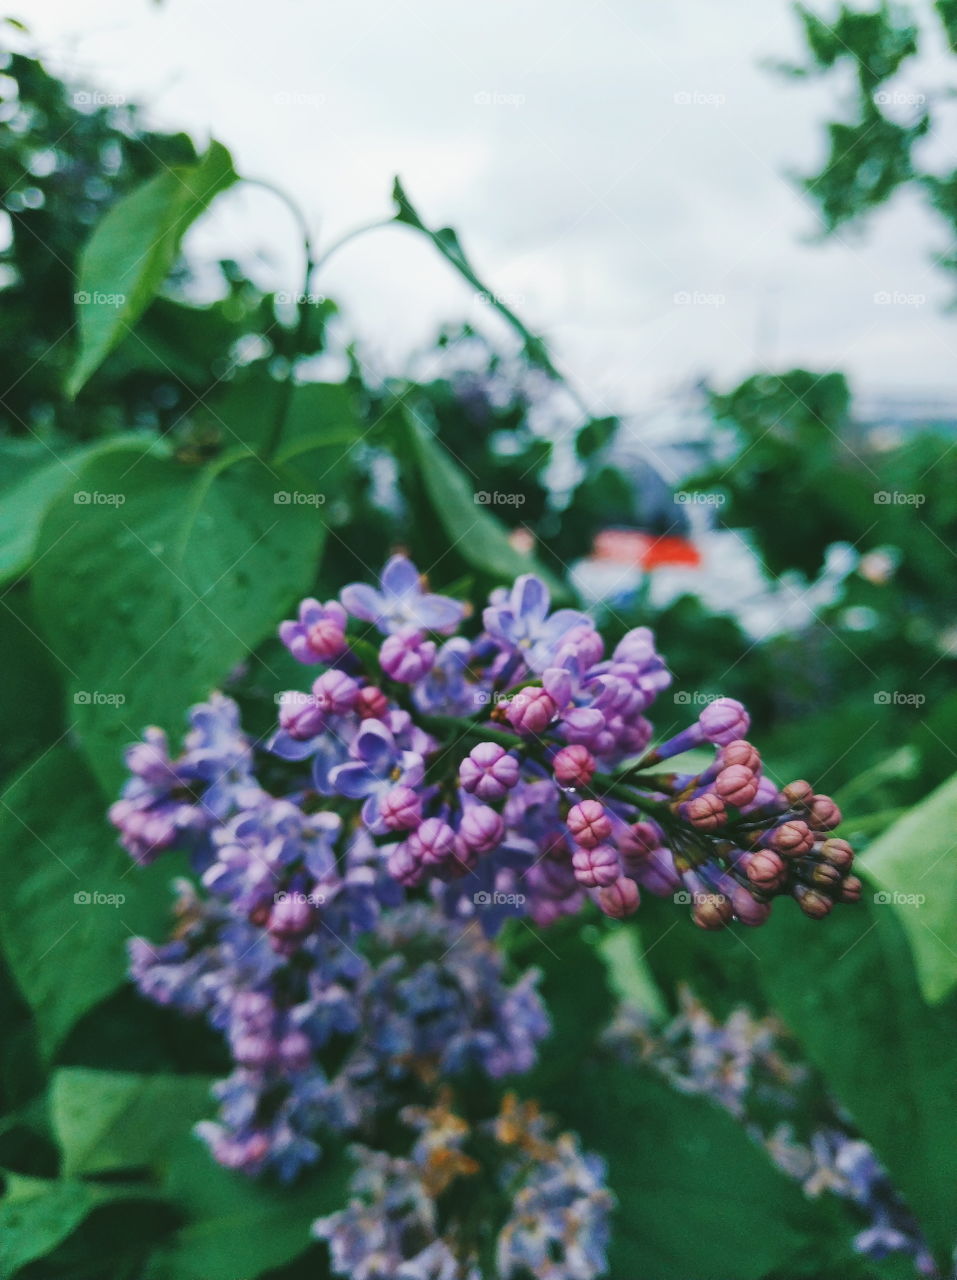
x=284, y=746
x=561, y=621
x=438, y=613
x=530, y=598
x=400, y=577
x=375, y=746
x=362, y=601
x=558, y=682
x=354, y=780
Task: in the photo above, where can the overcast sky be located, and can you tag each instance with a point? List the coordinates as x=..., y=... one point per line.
x=599, y=158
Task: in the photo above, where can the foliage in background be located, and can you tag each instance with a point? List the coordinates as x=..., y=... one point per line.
x=199, y=415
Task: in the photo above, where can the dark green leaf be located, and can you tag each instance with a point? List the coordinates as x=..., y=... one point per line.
x=132, y=250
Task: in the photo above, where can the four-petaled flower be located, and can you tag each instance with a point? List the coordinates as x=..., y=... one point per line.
x=523, y=623
x=378, y=766
x=400, y=602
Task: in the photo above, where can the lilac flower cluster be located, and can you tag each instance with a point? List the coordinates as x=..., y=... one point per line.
x=325, y=970
x=557, y=1228
x=509, y=772
x=748, y=1066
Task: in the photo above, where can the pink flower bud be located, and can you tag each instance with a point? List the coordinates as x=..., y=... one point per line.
x=619, y=899
x=401, y=809
x=851, y=889
x=433, y=842
x=295, y=1050
x=792, y=838
x=574, y=766
x=823, y=814
x=740, y=752
x=766, y=870
x=747, y=908
x=531, y=711
x=724, y=720
x=481, y=828
x=488, y=771
x=371, y=703
x=597, y=867
x=706, y=812
x=838, y=853
x=712, y=911
x=335, y=692
x=798, y=794
x=589, y=823
x=736, y=785
x=405, y=865
x=407, y=656
x=300, y=715
x=326, y=639
x=812, y=902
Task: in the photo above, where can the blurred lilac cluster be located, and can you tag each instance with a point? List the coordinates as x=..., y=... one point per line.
x=557, y=1226
x=749, y=1066
x=508, y=771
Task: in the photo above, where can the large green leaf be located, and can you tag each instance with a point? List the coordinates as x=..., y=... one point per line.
x=110, y=1120
x=696, y=1196
x=474, y=532
x=233, y=1228
x=154, y=589
x=37, y=1214
x=848, y=989
x=132, y=250
x=914, y=864
x=31, y=481
x=62, y=925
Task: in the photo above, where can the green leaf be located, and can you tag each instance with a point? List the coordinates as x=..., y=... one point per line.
x=475, y=534
x=109, y=1120
x=132, y=250
x=689, y=1181
x=447, y=243
x=37, y=1214
x=151, y=592
x=848, y=990
x=914, y=864
x=239, y=1228
x=64, y=944
x=37, y=479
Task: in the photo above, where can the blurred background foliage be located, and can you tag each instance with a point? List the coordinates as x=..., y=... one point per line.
x=482, y=463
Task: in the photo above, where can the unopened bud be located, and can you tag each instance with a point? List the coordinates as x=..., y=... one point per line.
x=620, y=899
x=766, y=870
x=706, y=812
x=712, y=911
x=798, y=794
x=589, y=823
x=736, y=785
x=812, y=902
x=598, y=867
x=837, y=852
x=792, y=838
x=823, y=814
x=851, y=889
x=740, y=752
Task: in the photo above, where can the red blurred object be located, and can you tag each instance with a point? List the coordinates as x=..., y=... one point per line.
x=631, y=546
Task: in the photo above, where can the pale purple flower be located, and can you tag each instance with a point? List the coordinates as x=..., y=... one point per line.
x=378, y=765
x=318, y=635
x=400, y=602
x=524, y=624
